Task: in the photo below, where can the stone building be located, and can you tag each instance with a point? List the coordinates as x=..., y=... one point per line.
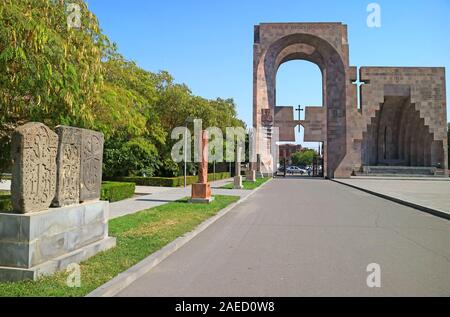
x=286, y=151
x=401, y=121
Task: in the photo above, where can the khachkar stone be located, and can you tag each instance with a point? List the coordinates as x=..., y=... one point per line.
x=201, y=192
x=91, y=165
x=33, y=152
x=238, y=177
x=68, y=165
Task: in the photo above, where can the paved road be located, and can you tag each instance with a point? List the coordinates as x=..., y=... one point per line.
x=306, y=237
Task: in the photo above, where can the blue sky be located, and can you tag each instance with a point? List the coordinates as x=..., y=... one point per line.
x=209, y=44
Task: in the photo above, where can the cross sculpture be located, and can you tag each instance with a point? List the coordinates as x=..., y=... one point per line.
x=299, y=109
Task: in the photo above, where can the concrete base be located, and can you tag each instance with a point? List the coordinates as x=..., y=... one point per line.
x=10, y=274
x=238, y=182
x=250, y=176
x=41, y=243
x=201, y=191
x=398, y=170
x=201, y=200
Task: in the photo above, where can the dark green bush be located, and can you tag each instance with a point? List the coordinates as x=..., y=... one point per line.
x=5, y=202
x=115, y=191
x=167, y=181
x=130, y=157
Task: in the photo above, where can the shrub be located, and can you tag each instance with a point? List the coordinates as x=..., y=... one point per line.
x=115, y=191
x=5, y=202
x=134, y=157
x=167, y=181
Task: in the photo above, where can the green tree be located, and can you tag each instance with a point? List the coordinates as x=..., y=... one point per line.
x=55, y=74
x=303, y=158
x=48, y=71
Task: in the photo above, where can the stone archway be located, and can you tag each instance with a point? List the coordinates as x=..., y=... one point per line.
x=323, y=44
x=347, y=131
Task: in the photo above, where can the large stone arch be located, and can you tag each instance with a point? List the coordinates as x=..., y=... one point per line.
x=316, y=43
x=415, y=134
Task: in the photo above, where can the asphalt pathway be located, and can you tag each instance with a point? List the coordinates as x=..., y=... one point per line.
x=309, y=237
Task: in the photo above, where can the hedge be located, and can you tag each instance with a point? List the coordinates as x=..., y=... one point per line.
x=167, y=181
x=114, y=191
x=5, y=202
x=111, y=191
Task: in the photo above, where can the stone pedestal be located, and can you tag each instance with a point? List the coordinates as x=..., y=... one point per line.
x=41, y=243
x=238, y=182
x=238, y=177
x=250, y=176
x=201, y=193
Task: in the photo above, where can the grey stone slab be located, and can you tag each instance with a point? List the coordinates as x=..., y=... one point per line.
x=68, y=164
x=14, y=254
x=50, y=222
x=91, y=165
x=9, y=228
x=8, y=274
x=47, y=268
x=31, y=239
x=33, y=152
x=96, y=212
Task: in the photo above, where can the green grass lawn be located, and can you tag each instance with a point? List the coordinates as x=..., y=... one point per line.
x=138, y=235
x=249, y=185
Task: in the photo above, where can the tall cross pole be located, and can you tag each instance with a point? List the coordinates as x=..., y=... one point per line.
x=299, y=109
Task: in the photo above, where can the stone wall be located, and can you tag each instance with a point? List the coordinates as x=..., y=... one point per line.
x=421, y=130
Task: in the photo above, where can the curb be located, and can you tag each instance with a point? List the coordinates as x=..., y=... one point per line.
x=434, y=212
x=126, y=278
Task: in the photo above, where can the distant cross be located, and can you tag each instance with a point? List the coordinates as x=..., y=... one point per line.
x=299, y=109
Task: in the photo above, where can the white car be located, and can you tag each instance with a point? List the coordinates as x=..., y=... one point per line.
x=295, y=170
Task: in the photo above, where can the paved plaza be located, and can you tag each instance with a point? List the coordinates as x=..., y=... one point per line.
x=308, y=237
x=433, y=193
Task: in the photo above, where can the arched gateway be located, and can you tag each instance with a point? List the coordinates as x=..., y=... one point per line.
x=401, y=120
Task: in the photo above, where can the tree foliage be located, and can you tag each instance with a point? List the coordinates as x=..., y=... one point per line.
x=304, y=157
x=55, y=74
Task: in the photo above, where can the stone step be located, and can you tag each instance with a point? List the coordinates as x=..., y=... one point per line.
x=398, y=170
